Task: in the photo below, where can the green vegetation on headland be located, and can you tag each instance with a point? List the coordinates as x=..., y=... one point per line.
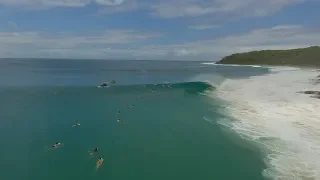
x=307, y=57
x=294, y=57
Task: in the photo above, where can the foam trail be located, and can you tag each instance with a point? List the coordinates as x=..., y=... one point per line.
x=285, y=124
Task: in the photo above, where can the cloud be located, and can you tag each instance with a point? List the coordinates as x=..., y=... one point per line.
x=60, y=3
x=45, y=3
x=277, y=37
x=172, y=8
x=19, y=44
x=109, y=2
x=125, y=6
x=12, y=24
x=194, y=8
x=211, y=9
x=203, y=27
x=130, y=44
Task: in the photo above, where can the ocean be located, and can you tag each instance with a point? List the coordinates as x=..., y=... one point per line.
x=187, y=120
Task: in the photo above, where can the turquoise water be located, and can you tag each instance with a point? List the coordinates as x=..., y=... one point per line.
x=165, y=135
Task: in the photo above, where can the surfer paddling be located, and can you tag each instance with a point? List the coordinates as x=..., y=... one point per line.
x=95, y=150
x=131, y=107
x=120, y=121
x=56, y=145
x=99, y=162
x=76, y=124
x=104, y=84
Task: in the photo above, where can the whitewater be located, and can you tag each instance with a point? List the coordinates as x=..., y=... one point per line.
x=269, y=111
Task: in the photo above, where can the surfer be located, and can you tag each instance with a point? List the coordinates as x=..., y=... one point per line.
x=120, y=121
x=127, y=106
x=99, y=163
x=76, y=124
x=95, y=150
x=104, y=84
x=56, y=145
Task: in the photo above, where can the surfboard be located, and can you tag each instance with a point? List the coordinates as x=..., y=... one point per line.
x=99, y=163
x=103, y=86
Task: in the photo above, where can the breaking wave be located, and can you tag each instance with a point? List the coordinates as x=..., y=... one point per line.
x=285, y=124
x=189, y=87
x=213, y=63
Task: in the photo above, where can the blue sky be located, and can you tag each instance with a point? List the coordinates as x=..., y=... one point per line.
x=154, y=29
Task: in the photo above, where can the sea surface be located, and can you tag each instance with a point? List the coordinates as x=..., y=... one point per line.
x=189, y=120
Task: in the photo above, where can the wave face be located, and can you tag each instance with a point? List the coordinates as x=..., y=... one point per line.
x=269, y=111
x=194, y=87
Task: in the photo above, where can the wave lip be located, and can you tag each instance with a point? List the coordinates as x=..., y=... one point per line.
x=270, y=112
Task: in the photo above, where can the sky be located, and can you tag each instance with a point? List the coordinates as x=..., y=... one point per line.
x=154, y=29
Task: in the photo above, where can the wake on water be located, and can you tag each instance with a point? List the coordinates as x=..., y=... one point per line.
x=285, y=124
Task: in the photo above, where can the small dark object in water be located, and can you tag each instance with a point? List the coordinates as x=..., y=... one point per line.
x=312, y=92
x=315, y=93
x=120, y=121
x=56, y=145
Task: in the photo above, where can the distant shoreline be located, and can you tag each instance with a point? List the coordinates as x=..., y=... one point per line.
x=266, y=66
x=302, y=57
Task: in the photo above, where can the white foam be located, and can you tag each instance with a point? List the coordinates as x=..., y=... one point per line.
x=285, y=124
x=214, y=63
x=208, y=63
x=282, y=68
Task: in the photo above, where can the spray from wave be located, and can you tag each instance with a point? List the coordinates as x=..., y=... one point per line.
x=269, y=111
